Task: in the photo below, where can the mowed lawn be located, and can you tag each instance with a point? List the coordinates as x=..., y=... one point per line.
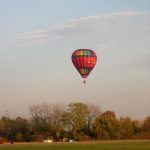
x=103, y=145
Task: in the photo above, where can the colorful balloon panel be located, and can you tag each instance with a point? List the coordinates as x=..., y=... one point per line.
x=84, y=61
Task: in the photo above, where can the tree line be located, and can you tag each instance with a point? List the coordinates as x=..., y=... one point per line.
x=77, y=121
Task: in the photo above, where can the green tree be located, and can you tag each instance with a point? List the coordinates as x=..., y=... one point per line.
x=106, y=126
x=2, y=131
x=14, y=126
x=146, y=124
x=137, y=126
x=10, y=128
x=2, y=126
x=19, y=137
x=99, y=128
x=126, y=128
x=22, y=127
x=75, y=119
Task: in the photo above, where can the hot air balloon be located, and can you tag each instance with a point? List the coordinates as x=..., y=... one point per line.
x=84, y=61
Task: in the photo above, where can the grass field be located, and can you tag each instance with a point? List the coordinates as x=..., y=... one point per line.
x=103, y=145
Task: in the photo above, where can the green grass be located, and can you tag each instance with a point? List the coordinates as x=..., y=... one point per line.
x=104, y=145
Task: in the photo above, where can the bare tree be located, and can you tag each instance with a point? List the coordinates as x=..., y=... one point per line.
x=40, y=114
x=94, y=111
x=57, y=112
x=56, y=119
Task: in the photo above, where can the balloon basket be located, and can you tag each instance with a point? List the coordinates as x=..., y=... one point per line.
x=84, y=81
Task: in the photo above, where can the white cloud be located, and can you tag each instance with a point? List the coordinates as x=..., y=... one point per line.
x=101, y=28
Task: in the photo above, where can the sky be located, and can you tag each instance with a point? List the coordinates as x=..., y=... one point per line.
x=37, y=39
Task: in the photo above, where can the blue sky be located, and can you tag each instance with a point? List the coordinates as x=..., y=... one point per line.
x=37, y=39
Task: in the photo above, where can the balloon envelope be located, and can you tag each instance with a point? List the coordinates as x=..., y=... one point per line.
x=84, y=61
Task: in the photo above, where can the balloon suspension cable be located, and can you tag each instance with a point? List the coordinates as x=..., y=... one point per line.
x=84, y=81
